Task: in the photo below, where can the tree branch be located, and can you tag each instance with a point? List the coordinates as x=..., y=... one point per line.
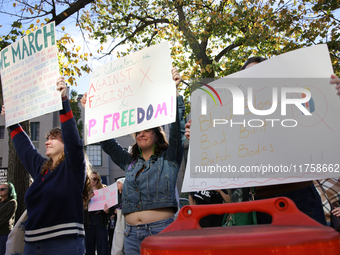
x=137, y=30
x=227, y=49
x=198, y=49
x=75, y=7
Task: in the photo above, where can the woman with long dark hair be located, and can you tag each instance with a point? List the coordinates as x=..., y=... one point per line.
x=148, y=199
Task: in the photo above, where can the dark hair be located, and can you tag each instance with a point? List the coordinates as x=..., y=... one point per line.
x=49, y=163
x=161, y=143
x=11, y=191
x=252, y=60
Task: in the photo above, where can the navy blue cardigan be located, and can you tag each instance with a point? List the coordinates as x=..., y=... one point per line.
x=54, y=201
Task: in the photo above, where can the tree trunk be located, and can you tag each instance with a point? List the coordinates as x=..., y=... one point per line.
x=16, y=173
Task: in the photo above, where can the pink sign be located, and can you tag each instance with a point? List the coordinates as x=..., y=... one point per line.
x=107, y=195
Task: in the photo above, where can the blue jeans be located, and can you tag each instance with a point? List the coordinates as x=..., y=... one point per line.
x=134, y=235
x=67, y=245
x=3, y=240
x=96, y=237
x=307, y=200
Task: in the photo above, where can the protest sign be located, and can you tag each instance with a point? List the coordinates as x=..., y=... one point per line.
x=130, y=94
x=254, y=147
x=107, y=195
x=29, y=69
x=3, y=175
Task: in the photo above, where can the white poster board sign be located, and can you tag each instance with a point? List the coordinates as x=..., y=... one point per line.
x=130, y=94
x=29, y=70
x=107, y=195
x=256, y=151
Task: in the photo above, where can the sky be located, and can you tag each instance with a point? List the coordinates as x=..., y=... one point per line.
x=74, y=32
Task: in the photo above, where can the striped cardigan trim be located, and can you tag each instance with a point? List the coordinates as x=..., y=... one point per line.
x=16, y=131
x=54, y=231
x=66, y=116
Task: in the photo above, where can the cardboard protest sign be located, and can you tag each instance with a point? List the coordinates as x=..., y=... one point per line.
x=130, y=94
x=3, y=175
x=107, y=195
x=29, y=69
x=268, y=126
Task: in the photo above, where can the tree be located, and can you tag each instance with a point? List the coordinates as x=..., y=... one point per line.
x=209, y=38
x=31, y=13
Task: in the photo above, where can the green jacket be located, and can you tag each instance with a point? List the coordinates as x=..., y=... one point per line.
x=7, y=215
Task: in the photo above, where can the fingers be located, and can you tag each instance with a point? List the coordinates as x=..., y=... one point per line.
x=336, y=211
x=187, y=129
x=106, y=209
x=61, y=86
x=3, y=110
x=336, y=80
x=84, y=99
x=175, y=76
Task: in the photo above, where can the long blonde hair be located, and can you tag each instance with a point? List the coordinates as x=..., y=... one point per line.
x=87, y=186
x=99, y=185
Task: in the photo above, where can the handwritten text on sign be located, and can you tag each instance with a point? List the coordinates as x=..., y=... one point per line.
x=131, y=94
x=250, y=145
x=107, y=195
x=29, y=69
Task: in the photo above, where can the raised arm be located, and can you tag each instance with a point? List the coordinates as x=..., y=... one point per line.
x=73, y=145
x=177, y=138
x=117, y=153
x=28, y=155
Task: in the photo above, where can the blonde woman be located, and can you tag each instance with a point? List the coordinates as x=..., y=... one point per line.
x=96, y=222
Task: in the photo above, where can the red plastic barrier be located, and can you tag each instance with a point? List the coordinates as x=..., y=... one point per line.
x=291, y=232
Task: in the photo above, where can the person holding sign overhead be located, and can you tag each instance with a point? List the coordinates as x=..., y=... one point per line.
x=148, y=200
x=54, y=200
x=304, y=194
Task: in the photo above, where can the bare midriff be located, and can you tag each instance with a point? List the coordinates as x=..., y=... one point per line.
x=149, y=216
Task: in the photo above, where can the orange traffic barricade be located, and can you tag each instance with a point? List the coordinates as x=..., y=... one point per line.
x=291, y=232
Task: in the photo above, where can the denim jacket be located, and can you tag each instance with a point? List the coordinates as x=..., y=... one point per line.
x=155, y=186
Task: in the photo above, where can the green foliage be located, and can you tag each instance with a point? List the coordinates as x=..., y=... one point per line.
x=213, y=38
x=31, y=16
x=208, y=38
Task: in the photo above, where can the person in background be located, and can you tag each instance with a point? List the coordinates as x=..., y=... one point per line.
x=149, y=201
x=117, y=245
x=8, y=207
x=54, y=200
x=113, y=218
x=332, y=187
x=96, y=223
x=336, y=80
x=207, y=197
x=304, y=194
